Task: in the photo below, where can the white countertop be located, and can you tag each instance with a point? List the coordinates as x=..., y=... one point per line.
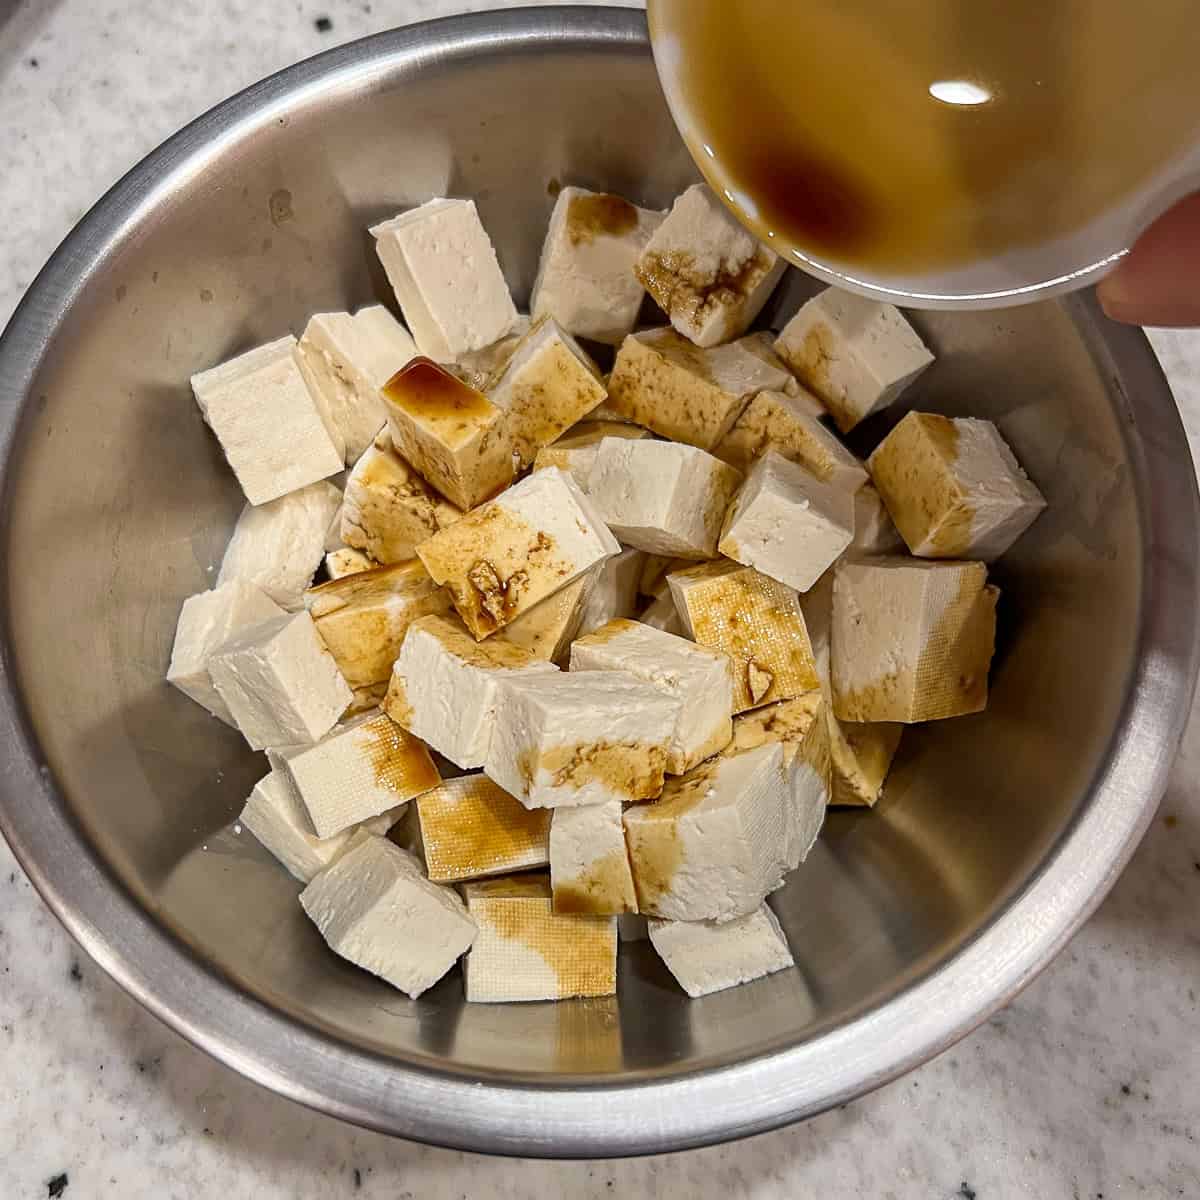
x=1088, y=1085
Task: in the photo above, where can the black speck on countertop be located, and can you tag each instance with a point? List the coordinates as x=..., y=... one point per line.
x=1125, y=1089
x=323, y=24
x=76, y=972
x=966, y=1191
x=56, y=1186
x=357, y=1178
x=34, y=64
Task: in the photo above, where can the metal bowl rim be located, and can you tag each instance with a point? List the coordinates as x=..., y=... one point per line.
x=661, y=1114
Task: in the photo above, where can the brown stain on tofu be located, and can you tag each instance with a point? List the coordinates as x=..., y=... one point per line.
x=628, y=770
x=480, y=830
x=861, y=756
x=401, y=762
x=605, y=888
x=365, y=698
x=580, y=950
x=758, y=623
x=812, y=365
x=494, y=654
x=607, y=633
x=682, y=289
x=599, y=215
x=914, y=473
x=429, y=392
x=395, y=702
x=766, y=425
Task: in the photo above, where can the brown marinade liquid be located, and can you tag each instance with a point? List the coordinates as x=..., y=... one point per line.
x=922, y=134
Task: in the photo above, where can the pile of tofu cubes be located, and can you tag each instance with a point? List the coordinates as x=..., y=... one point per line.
x=590, y=654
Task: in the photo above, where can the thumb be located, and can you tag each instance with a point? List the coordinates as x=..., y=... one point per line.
x=1158, y=281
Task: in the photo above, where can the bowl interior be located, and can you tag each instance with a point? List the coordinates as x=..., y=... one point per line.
x=121, y=505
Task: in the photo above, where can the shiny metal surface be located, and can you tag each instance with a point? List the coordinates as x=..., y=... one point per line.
x=998, y=834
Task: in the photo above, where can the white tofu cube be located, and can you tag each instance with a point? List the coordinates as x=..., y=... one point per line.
x=479, y=367
x=861, y=753
x=702, y=681
x=275, y=816
x=801, y=727
x=345, y=361
x=663, y=382
x=855, y=355
x=581, y=738
x=505, y=556
x=874, y=532
x=662, y=497
x=716, y=842
x=912, y=640
x=280, y=684
x=661, y=613
x=756, y=621
x=268, y=424
x=615, y=591
x=589, y=867
x=375, y=908
x=388, y=508
x=443, y=269
x=586, y=279
x=444, y=686
x=363, y=618
x=343, y=562
x=549, y=627
x=526, y=951
x=549, y=384
x=777, y=421
x=786, y=523
x=576, y=450
x=206, y=622
x=953, y=487
x=470, y=828
x=452, y=435
x=279, y=545
x=361, y=769
x=706, y=957
x=707, y=273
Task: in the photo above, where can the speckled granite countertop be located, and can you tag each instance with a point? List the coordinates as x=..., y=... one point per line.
x=1085, y=1087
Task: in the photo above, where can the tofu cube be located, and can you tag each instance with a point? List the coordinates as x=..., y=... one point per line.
x=615, y=591
x=855, y=355
x=661, y=613
x=361, y=769
x=470, y=829
x=453, y=436
x=708, y=274
x=443, y=269
x=275, y=816
x=279, y=545
x=702, y=681
x=549, y=384
x=912, y=640
x=706, y=957
x=526, y=951
x=388, y=508
x=343, y=562
x=375, y=908
x=576, y=450
x=874, y=532
x=269, y=426
x=363, y=618
x=756, y=621
x=953, y=487
x=787, y=524
x=662, y=497
x=585, y=278
x=445, y=686
x=663, y=382
x=777, y=421
x=479, y=367
x=346, y=360
x=861, y=753
x=801, y=727
x=716, y=842
x=280, y=684
x=586, y=737
x=510, y=554
x=206, y=622
x=589, y=867
x=549, y=627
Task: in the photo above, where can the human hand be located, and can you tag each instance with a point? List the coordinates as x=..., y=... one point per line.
x=1158, y=281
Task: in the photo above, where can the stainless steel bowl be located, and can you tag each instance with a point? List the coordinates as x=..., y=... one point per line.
x=998, y=834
